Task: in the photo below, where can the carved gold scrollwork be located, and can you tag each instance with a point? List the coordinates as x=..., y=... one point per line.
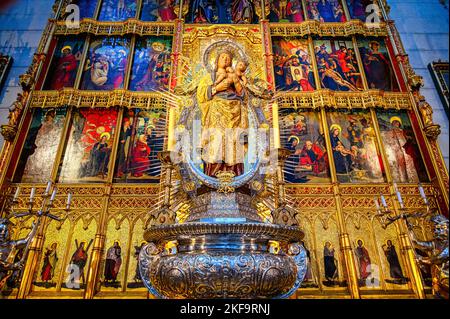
x=346, y=29
x=78, y=98
x=131, y=26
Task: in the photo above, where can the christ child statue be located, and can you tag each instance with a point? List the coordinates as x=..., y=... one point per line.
x=231, y=76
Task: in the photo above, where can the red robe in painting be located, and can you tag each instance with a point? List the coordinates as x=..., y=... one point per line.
x=65, y=72
x=342, y=60
x=294, y=11
x=166, y=12
x=140, y=161
x=314, y=157
x=364, y=261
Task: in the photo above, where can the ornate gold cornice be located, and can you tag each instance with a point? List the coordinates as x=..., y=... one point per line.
x=135, y=26
x=156, y=100
x=345, y=100
x=194, y=31
x=130, y=26
x=330, y=29
x=79, y=98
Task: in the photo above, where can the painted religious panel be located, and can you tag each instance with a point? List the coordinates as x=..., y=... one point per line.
x=354, y=146
x=362, y=10
x=158, y=10
x=87, y=8
x=41, y=145
x=80, y=243
x=325, y=10
x=292, y=64
x=65, y=63
x=222, y=12
x=337, y=65
x=117, y=10
x=141, y=138
x=151, y=64
x=301, y=132
x=116, y=246
x=88, y=150
x=377, y=65
x=106, y=64
x=286, y=11
x=401, y=147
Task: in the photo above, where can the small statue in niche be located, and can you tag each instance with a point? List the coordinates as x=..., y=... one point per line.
x=426, y=111
x=15, y=111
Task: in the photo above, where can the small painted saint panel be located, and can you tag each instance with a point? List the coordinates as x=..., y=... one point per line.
x=364, y=263
x=292, y=64
x=106, y=64
x=151, y=65
x=87, y=8
x=330, y=265
x=401, y=148
x=325, y=10
x=117, y=10
x=362, y=10
x=222, y=12
x=88, y=150
x=41, y=145
x=354, y=146
x=395, y=269
x=301, y=132
x=141, y=138
x=377, y=65
x=337, y=65
x=77, y=265
x=286, y=11
x=158, y=10
x=65, y=63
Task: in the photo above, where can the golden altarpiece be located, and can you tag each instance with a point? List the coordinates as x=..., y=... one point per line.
x=100, y=102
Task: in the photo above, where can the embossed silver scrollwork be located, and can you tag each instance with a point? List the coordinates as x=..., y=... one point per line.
x=148, y=255
x=298, y=253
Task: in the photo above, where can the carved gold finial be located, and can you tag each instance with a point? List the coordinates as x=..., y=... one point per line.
x=225, y=179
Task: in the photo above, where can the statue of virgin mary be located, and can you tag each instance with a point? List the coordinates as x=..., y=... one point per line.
x=224, y=117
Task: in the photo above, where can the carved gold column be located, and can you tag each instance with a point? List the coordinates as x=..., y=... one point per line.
x=31, y=264
x=93, y=273
x=344, y=238
x=405, y=243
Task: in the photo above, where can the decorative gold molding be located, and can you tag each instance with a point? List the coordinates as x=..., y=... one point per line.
x=130, y=26
x=345, y=100
x=194, y=31
x=158, y=100
x=79, y=98
x=330, y=29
